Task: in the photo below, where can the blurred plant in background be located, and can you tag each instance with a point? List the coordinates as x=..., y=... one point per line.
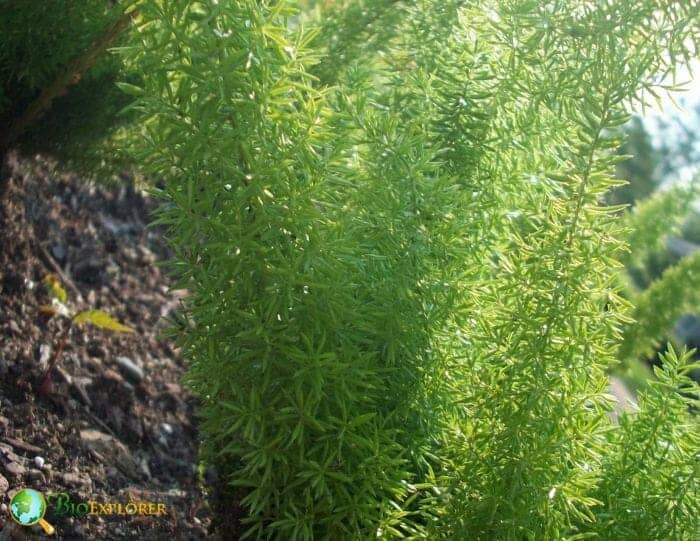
x=662, y=264
x=58, y=91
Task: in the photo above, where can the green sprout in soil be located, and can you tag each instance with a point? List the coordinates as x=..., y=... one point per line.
x=58, y=307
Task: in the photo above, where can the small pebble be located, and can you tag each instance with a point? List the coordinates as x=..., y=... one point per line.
x=74, y=479
x=15, y=469
x=39, y=462
x=130, y=369
x=144, y=468
x=59, y=252
x=3, y=507
x=37, y=475
x=167, y=428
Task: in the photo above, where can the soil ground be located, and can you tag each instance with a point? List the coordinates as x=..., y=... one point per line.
x=117, y=425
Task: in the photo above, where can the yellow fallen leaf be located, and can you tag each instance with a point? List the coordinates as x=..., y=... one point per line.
x=101, y=319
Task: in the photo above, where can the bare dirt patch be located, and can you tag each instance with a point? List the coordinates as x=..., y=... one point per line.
x=118, y=425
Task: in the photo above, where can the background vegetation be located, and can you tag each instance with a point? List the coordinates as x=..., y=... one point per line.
x=58, y=92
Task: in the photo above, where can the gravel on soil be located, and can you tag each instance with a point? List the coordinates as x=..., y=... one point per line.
x=117, y=425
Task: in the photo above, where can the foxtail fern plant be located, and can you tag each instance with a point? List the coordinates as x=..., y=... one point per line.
x=650, y=485
x=403, y=297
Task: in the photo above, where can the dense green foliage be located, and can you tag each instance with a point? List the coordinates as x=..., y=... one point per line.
x=649, y=487
x=402, y=274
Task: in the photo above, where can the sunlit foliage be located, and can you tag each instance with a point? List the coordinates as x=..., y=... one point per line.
x=390, y=219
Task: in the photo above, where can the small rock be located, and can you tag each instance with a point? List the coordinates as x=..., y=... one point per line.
x=14, y=327
x=129, y=253
x=3, y=507
x=4, y=485
x=149, y=391
x=166, y=428
x=147, y=256
x=130, y=369
x=19, y=444
x=114, y=451
x=74, y=479
x=15, y=469
x=112, y=375
x=9, y=454
x=37, y=475
x=44, y=355
x=145, y=470
x=39, y=461
x=173, y=388
x=112, y=383
x=59, y=252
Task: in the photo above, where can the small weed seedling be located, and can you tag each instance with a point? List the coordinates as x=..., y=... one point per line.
x=58, y=307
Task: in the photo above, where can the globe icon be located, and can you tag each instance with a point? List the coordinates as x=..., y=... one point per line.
x=28, y=507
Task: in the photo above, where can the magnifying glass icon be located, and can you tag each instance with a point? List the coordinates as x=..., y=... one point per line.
x=28, y=507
